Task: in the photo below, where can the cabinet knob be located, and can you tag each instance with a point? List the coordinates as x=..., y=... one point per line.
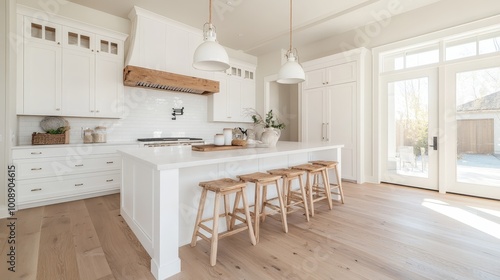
x=58, y=43
x=92, y=111
x=58, y=109
x=97, y=111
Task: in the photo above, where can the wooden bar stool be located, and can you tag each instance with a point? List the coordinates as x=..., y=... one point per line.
x=222, y=188
x=263, y=180
x=314, y=187
x=329, y=164
x=292, y=197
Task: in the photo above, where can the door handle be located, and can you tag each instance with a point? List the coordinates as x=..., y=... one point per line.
x=434, y=143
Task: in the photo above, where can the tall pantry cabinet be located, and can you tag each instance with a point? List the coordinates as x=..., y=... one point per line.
x=335, y=100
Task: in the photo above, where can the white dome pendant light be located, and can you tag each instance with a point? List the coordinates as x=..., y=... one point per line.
x=210, y=56
x=291, y=72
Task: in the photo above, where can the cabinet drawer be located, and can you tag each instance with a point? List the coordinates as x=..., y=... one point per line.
x=75, y=151
x=51, y=188
x=61, y=166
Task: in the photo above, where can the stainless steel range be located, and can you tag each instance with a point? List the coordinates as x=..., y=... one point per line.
x=169, y=141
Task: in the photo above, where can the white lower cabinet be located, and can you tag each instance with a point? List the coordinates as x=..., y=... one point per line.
x=48, y=175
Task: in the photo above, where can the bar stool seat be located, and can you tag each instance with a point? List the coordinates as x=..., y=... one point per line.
x=330, y=164
x=314, y=187
x=291, y=197
x=261, y=179
x=222, y=188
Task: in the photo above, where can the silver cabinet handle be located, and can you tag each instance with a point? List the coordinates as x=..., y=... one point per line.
x=110, y=162
x=78, y=165
x=35, y=169
x=327, y=131
x=323, y=131
x=36, y=153
x=78, y=185
x=36, y=190
x=109, y=180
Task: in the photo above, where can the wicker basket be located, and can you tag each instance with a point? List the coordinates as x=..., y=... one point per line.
x=49, y=139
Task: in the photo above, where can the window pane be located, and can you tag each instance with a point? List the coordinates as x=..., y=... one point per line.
x=422, y=58
x=490, y=45
x=478, y=127
x=36, y=30
x=461, y=51
x=72, y=38
x=85, y=41
x=408, y=122
x=50, y=33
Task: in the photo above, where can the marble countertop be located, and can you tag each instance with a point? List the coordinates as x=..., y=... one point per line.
x=174, y=157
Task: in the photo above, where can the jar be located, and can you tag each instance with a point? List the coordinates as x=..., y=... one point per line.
x=219, y=140
x=99, y=135
x=87, y=136
x=228, y=136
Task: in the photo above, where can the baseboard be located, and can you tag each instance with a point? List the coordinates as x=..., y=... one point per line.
x=65, y=199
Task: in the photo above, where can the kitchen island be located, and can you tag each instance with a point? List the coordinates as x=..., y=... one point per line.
x=160, y=193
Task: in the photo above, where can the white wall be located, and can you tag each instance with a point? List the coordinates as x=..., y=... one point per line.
x=3, y=107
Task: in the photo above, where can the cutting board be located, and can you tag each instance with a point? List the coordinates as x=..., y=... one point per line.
x=212, y=147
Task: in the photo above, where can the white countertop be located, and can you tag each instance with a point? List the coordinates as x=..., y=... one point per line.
x=77, y=145
x=182, y=156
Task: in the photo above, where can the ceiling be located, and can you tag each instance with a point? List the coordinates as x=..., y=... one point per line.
x=261, y=26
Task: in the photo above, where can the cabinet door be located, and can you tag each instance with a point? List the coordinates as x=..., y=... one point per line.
x=247, y=100
x=42, y=31
x=314, y=119
x=342, y=73
x=234, y=100
x=343, y=124
x=109, y=47
x=78, y=82
x=78, y=39
x=42, y=79
x=218, y=102
x=108, y=87
x=314, y=79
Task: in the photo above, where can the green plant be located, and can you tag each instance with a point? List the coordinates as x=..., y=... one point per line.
x=60, y=130
x=269, y=121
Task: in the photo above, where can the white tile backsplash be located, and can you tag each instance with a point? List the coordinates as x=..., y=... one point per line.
x=146, y=114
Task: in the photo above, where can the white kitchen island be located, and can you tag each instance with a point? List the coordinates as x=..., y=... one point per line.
x=160, y=193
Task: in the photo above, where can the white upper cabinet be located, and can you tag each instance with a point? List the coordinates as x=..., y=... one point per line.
x=236, y=94
x=69, y=71
x=330, y=75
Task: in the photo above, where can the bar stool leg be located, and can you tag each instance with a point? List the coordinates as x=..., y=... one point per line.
x=282, y=207
x=198, y=217
x=339, y=184
x=310, y=192
x=215, y=232
x=327, y=188
x=263, y=204
x=236, y=203
x=226, y=211
x=248, y=217
x=258, y=200
x=304, y=199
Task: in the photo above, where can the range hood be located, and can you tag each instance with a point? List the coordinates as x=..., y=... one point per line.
x=149, y=64
x=134, y=76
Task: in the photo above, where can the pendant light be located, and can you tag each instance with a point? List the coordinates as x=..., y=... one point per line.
x=291, y=72
x=210, y=56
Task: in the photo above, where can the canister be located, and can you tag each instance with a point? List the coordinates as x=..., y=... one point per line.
x=219, y=140
x=228, y=136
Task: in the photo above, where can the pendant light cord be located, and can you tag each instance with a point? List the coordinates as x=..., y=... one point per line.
x=290, y=25
x=210, y=11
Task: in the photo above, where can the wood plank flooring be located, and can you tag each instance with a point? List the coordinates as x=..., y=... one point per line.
x=382, y=232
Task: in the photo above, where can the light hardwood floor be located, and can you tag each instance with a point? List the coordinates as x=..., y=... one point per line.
x=382, y=232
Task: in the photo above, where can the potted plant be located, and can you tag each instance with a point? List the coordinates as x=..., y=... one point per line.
x=271, y=125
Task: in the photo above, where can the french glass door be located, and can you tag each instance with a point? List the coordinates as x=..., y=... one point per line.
x=409, y=126
x=473, y=127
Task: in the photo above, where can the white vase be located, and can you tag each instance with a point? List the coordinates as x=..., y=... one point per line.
x=270, y=136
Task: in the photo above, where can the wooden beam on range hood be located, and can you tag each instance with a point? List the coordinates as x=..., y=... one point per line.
x=134, y=76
